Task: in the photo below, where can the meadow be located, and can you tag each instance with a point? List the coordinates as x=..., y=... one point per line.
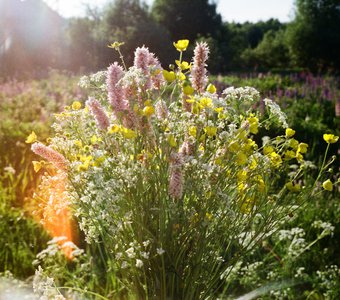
x=197, y=187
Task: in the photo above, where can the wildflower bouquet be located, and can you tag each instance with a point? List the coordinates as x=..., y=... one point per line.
x=166, y=177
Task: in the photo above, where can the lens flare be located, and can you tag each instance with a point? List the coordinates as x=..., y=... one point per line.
x=54, y=209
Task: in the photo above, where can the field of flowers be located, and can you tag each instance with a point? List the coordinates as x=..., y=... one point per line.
x=25, y=106
x=152, y=183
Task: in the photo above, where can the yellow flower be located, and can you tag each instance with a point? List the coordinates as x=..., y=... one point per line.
x=193, y=131
x=302, y=148
x=249, y=145
x=327, y=185
x=148, y=111
x=181, y=45
x=208, y=216
x=190, y=100
x=84, y=166
x=172, y=141
x=218, y=161
x=267, y=150
x=221, y=116
x=182, y=65
x=218, y=109
x=247, y=205
x=116, y=45
x=293, y=143
x=289, y=132
x=78, y=143
x=181, y=76
x=195, y=108
x=76, y=105
x=37, y=165
x=94, y=140
x=98, y=161
x=261, y=185
x=169, y=76
x=234, y=146
x=31, y=138
x=114, y=128
x=188, y=90
x=253, y=124
x=210, y=130
x=241, y=187
x=253, y=164
x=242, y=175
x=206, y=102
x=211, y=89
x=330, y=138
x=299, y=156
x=275, y=159
x=128, y=133
x=241, y=159
x=84, y=158
x=289, y=154
x=293, y=187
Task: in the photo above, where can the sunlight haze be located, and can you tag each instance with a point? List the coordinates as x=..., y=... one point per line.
x=238, y=11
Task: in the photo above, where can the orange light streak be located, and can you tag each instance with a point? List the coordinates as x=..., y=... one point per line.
x=54, y=209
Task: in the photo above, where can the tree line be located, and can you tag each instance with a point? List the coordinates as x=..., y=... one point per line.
x=310, y=41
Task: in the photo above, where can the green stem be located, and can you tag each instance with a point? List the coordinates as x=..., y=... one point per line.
x=321, y=169
x=122, y=59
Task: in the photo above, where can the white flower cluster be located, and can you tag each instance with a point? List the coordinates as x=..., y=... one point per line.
x=295, y=232
x=276, y=111
x=242, y=94
x=44, y=286
x=96, y=79
x=327, y=228
x=329, y=280
x=136, y=255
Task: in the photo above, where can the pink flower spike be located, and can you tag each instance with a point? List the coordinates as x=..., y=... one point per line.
x=141, y=60
x=115, y=92
x=50, y=155
x=99, y=114
x=151, y=67
x=199, y=78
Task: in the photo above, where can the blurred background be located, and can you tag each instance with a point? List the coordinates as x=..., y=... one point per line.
x=36, y=35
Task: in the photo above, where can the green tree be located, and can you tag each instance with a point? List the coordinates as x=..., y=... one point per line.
x=314, y=35
x=271, y=52
x=238, y=41
x=82, y=44
x=187, y=18
x=130, y=22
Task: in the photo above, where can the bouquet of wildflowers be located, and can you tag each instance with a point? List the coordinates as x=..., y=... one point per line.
x=167, y=178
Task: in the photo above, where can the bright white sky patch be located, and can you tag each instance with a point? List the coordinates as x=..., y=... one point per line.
x=231, y=10
x=256, y=10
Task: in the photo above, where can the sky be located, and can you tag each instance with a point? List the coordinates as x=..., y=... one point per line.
x=231, y=10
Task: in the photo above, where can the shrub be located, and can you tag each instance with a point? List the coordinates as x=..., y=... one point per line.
x=166, y=180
